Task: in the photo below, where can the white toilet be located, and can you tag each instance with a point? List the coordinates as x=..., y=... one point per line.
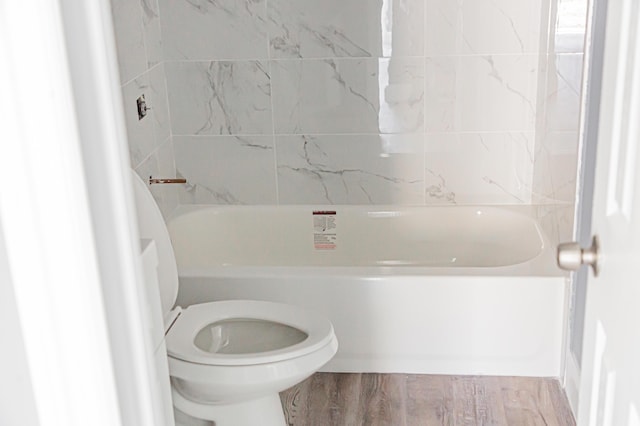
x=229, y=360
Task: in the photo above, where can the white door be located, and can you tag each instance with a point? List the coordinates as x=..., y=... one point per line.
x=610, y=382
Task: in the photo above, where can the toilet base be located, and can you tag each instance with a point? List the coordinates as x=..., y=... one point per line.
x=264, y=411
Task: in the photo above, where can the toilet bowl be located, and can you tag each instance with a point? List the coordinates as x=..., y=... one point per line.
x=228, y=360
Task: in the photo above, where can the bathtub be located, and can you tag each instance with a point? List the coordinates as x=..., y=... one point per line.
x=433, y=290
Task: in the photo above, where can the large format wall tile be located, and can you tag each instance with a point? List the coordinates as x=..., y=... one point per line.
x=226, y=169
x=564, y=79
x=348, y=96
x=161, y=164
x=219, y=98
x=481, y=93
x=478, y=168
x=355, y=169
x=147, y=168
x=345, y=28
x=167, y=194
x=140, y=57
x=214, y=30
x=482, y=26
x=156, y=97
x=555, y=169
x=152, y=36
x=129, y=32
x=351, y=91
x=149, y=133
x=140, y=133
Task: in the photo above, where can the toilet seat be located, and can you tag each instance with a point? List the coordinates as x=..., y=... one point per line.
x=180, y=338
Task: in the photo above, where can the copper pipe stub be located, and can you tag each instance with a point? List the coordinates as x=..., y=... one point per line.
x=153, y=181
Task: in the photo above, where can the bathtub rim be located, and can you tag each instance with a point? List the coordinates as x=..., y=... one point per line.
x=542, y=265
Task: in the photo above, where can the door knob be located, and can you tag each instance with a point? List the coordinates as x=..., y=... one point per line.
x=571, y=256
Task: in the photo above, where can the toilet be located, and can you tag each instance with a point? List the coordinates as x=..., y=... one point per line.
x=228, y=360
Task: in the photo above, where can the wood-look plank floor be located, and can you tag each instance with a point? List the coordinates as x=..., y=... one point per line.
x=333, y=399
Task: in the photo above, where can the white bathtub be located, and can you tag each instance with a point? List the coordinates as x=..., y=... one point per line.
x=440, y=290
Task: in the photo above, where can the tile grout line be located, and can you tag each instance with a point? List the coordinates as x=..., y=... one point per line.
x=433, y=133
x=273, y=125
x=360, y=58
x=425, y=15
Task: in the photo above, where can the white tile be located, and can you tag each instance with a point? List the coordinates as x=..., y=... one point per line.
x=479, y=168
x=149, y=167
x=556, y=220
x=158, y=101
x=556, y=167
x=482, y=26
x=564, y=82
x=348, y=96
x=129, y=32
x=570, y=26
x=159, y=164
x=151, y=27
x=547, y=216
x=214, y=30
x=481, y=93
x=346, y=28
x=218, y=98
x=350, y=169
x=226, y=169
x=140, y=133
x=168, y=194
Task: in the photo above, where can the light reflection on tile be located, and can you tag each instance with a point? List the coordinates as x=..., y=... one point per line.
x=564, y=81
x=570, y=26
x=346, y=28
x=482, y=27
x=481, y=93
x=556, y=167
x=348, y=96
x=479, y=168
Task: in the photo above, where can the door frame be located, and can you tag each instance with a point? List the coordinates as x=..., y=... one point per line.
x=588, y=142
x=67, y=218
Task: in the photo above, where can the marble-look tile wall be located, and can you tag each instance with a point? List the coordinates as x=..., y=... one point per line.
x=557, y=129
x=357, y=101
x=142, y=72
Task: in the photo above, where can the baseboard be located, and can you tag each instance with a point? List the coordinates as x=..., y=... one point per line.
x=462, y=367
x=571, y=382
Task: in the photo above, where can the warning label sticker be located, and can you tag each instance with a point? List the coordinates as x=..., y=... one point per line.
x=324, y=230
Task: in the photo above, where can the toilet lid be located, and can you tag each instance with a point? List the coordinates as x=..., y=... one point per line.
x=246, y=332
